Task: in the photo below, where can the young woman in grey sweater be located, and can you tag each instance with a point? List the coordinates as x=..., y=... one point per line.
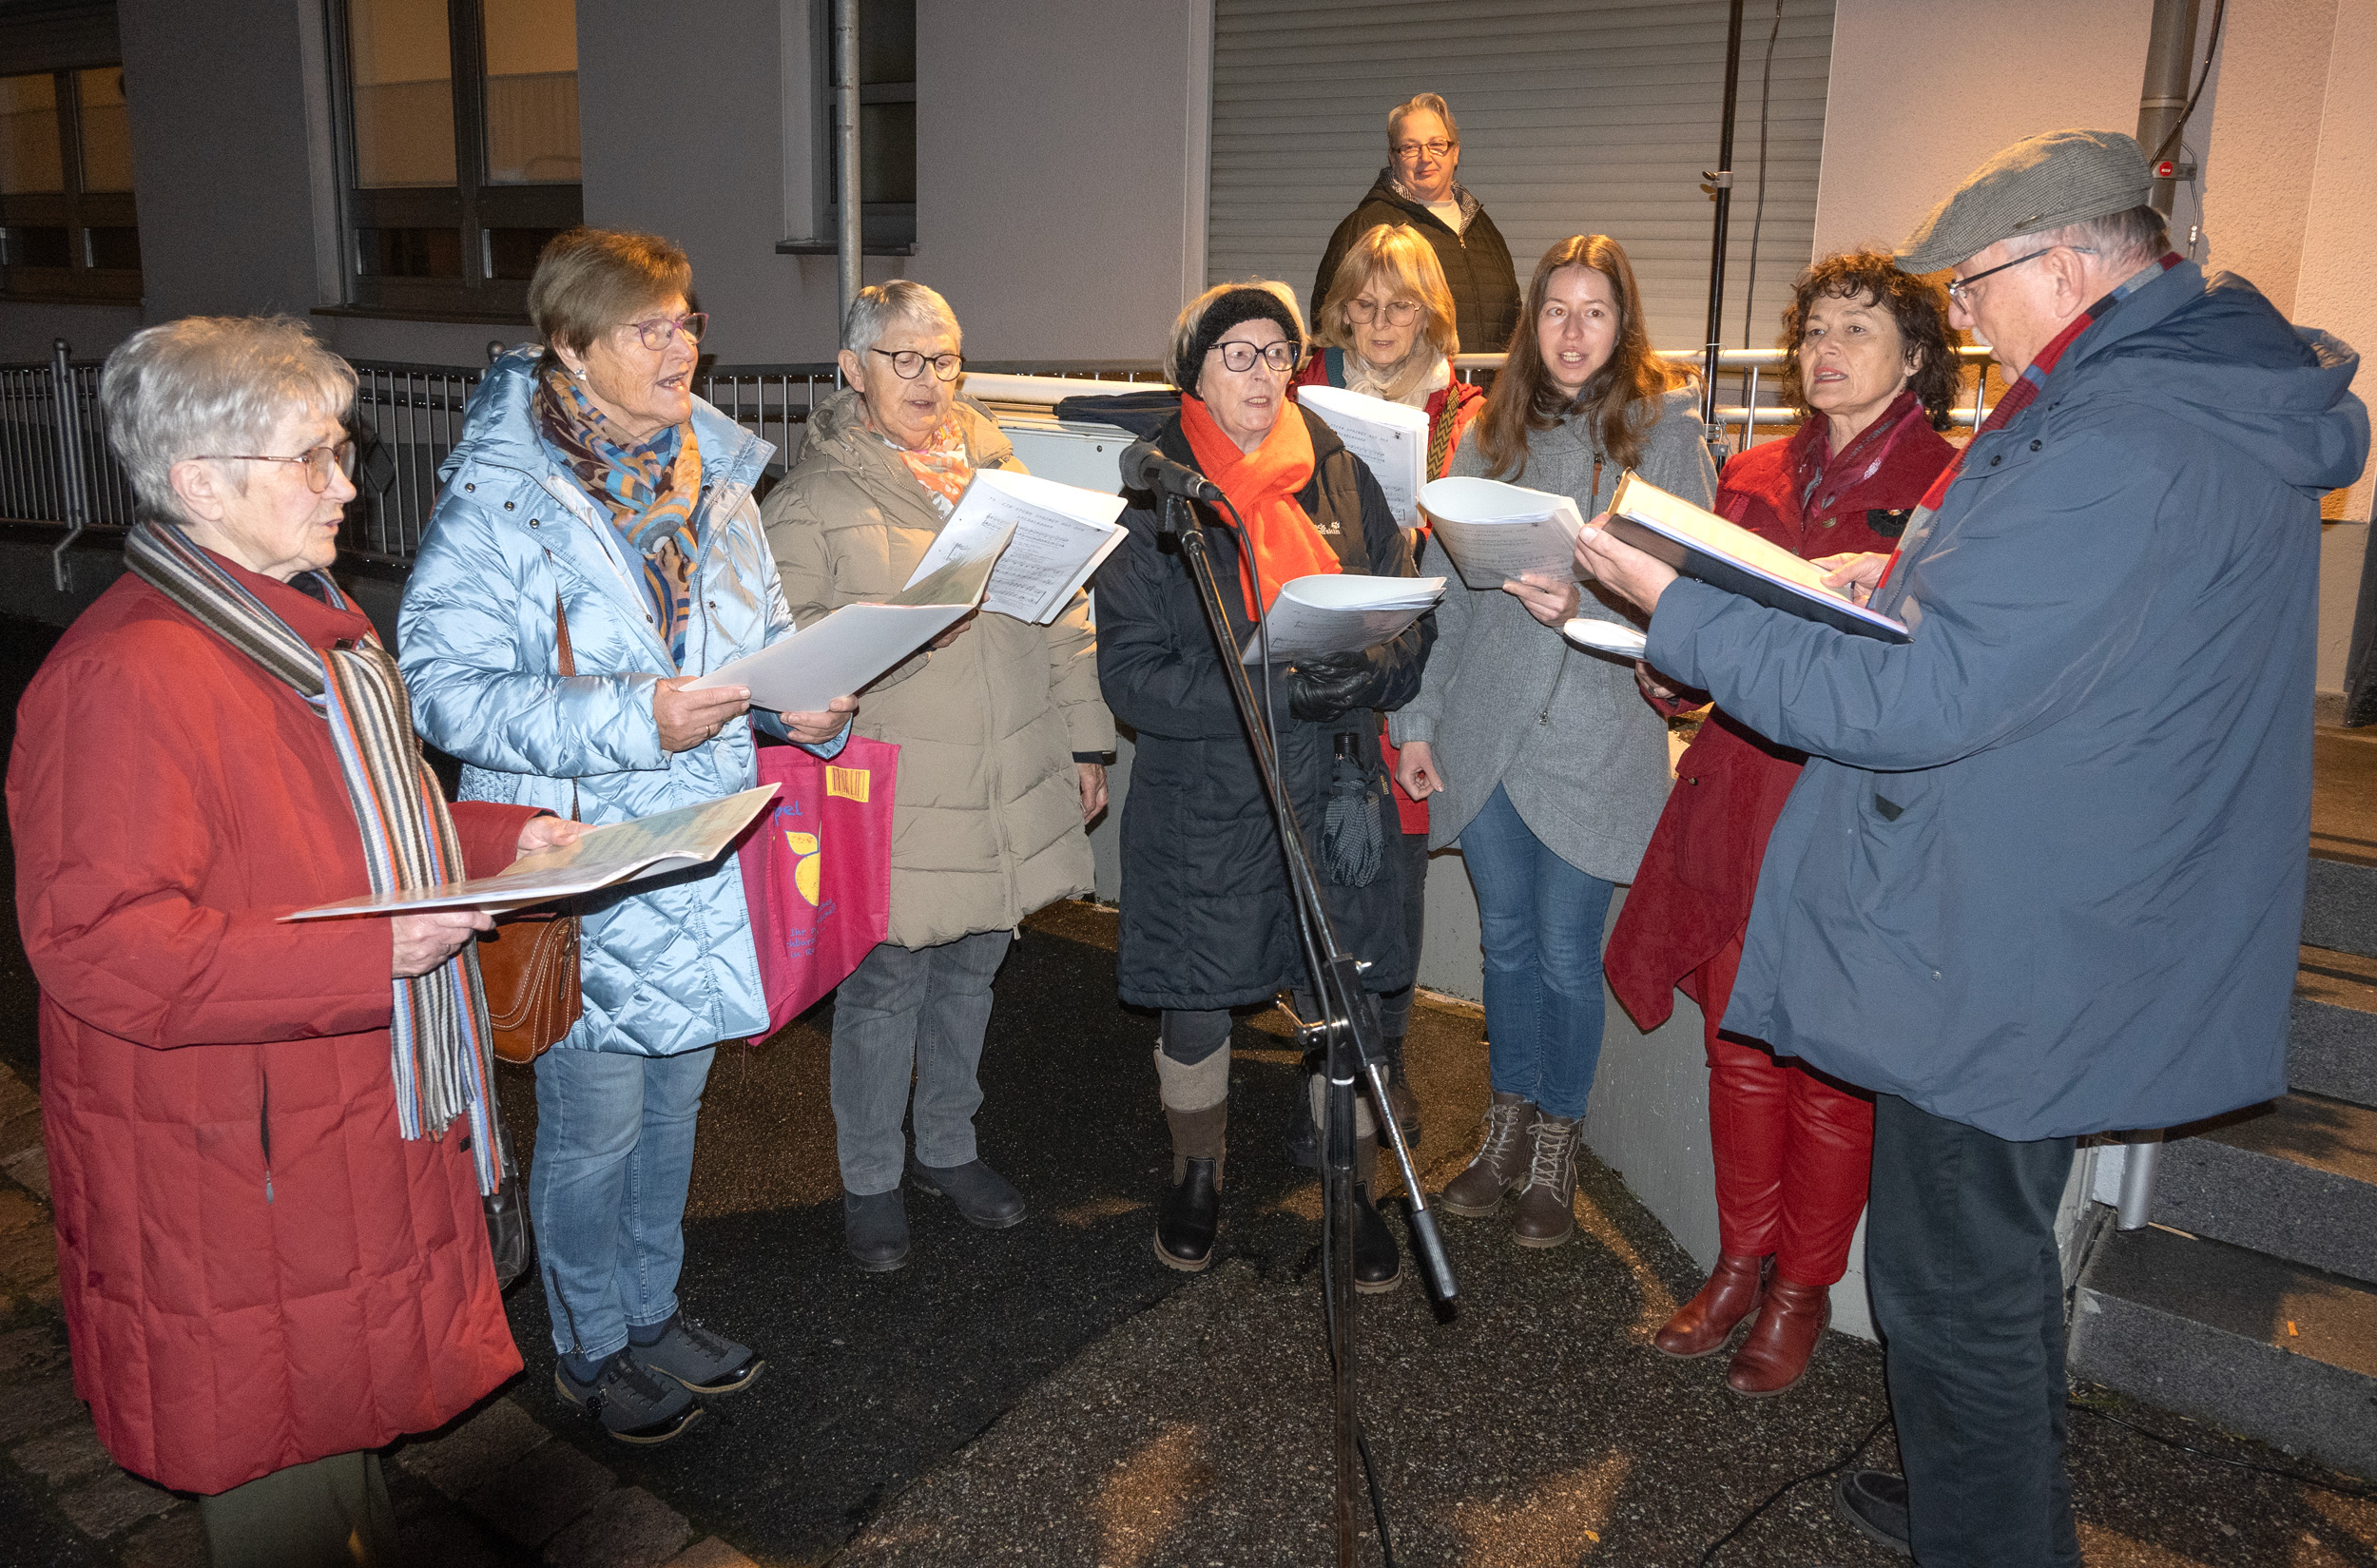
x=1546, y=766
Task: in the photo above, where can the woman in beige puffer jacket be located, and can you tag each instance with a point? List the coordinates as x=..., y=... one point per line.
x=1002, y=736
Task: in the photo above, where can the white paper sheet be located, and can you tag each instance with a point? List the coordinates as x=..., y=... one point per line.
x=1332, y=612
x=1494, y=533
x=667, y=841
x=1060, y=536
x=1390, y=438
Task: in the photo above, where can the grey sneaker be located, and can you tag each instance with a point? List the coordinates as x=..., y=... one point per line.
x=875, y=1226
x=1875, y=1503
x=635, y=1407
x=705, y=1363
x=982, y=1195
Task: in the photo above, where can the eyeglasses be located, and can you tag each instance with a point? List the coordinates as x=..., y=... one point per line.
x=1239, y=355
x=319, y=461
x=657, y=331
x=1409, y=151
x=1400, y=312
x=908, y=364
x=1960, y=291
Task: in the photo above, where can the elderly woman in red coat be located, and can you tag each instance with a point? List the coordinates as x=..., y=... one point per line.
x=267, y=1140
x=1872, y=370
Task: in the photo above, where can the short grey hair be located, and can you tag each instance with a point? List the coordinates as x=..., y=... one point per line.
x=212, y=384
x=1434, y=103
x=881, y=304
x=2130, y=237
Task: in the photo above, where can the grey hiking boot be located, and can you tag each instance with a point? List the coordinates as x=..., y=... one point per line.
x=704, y=1362
x=636, y=1405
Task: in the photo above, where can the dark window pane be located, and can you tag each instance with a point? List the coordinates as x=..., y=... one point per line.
x=887, y=152
x=408, y=252
x=531, y=91
x=29, y=162
x=403, y=68
x=36, y=246
x=116, y=249
x=106, y=129
x=887, y=41
x=512, y=252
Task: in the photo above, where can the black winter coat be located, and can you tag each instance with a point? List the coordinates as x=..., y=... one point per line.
x=1207, y=920
x=1477, y=263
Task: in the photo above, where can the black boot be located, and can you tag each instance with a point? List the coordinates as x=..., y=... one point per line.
x=1399, y=1094
x=1191, y=1212
x=1378, y=1264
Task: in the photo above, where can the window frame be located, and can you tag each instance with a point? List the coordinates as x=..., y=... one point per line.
x=471, y=207
x=885, y=228
x=76, y=210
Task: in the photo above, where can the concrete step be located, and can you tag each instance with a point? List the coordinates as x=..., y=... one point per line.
x=2331, y=1048
x=2284, y=1354
x=2340, y=905
x=2295, y=1178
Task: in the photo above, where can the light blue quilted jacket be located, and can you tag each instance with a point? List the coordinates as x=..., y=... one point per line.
x=670, y=965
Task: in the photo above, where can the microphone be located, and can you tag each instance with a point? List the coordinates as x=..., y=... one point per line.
x=1144, y=468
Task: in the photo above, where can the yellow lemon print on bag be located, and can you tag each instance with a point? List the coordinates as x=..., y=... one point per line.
x=805, y=871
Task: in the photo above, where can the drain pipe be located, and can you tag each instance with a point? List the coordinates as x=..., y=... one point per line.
x=2141, y=1156
x=2162, y=101
x=851, y=252
x=71, y=500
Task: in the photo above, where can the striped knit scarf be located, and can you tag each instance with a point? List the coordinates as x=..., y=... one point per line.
x=650, y=491
x=438, y=1035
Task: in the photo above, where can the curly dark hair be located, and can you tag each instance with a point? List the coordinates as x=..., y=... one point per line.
x=1919, y=305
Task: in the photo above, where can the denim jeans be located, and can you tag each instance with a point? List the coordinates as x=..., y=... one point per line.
x=1542, y=922
x=911, y=1014
x=607, y=1189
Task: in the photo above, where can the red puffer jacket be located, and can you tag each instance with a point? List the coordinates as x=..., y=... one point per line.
x=256, y=1270
x=1691, y=899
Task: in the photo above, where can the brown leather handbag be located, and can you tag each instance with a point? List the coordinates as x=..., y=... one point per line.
x=528, y=963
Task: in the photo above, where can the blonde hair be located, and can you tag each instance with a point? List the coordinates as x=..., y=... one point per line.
x=1180, y=365
x=1397, y=258
x=591, y=279
x=1434, y=104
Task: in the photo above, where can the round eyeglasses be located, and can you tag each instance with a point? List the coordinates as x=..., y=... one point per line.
x=908, y=364
x=318, y=463
x=1400, y=312
x=658, y=332
x=1239, y=355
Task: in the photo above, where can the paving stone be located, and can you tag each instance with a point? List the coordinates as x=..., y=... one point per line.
x=16, y=1095
x=26, y=1351
x=629, y=1528
x=29, y=1257
x=20, y=1211
x=176, y=1540
x=478, y=1450
x=62, y=1455
x=449, y=1541
x=114, y=1504
x=531, y=1499
x=31, y=1167
x=711, y=1553
x=35, y=1403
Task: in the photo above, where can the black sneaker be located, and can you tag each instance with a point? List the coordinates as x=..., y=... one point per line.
x=636, y=1405
x=705, y=1363
x=1874, y=1502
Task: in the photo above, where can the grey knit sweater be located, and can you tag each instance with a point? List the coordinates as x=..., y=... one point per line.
x=1507, y=700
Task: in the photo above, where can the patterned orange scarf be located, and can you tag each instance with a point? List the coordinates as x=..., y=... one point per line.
x=1262, y=484
x=942, y=466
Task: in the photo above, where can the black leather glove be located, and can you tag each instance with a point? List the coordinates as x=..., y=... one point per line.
x=1330, y=687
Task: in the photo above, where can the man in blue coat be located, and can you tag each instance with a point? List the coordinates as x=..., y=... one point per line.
x=2043, y=874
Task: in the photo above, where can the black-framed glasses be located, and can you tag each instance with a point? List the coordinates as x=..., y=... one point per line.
x=657, y=331
x=1239, y=355
x=1400, y=312
x=1408, y=150
x=1960, y=291
x=319, y=461
x=908, y=364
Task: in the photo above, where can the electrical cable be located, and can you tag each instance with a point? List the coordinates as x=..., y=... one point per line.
x=1776, y=1495
x=2218, y=11
x=2360, y=1494
x=1758, y=216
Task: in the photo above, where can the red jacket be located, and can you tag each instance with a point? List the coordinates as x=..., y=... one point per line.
x=256, y=1270
x=1690, y=901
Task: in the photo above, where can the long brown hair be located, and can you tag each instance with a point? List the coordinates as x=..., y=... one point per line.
x=1622, y=397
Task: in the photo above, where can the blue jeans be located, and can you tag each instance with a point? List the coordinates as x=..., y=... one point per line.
x=607, y=1189
x=1541, y=921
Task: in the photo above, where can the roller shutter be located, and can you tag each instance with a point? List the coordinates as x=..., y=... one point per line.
x=1576, y=116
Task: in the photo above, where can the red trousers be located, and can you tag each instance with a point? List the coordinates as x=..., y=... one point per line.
x=1793, y=1150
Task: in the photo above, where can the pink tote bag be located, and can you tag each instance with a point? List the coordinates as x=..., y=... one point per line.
x=817, y=872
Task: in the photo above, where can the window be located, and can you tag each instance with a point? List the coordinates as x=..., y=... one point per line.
x=887, y=128
x=450, y=194
x=67, y=226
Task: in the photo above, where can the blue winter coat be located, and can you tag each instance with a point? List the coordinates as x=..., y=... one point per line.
x=668, y=966
x=2044, y=875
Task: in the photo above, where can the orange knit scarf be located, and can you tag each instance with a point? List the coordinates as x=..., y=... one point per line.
x=1262, y=484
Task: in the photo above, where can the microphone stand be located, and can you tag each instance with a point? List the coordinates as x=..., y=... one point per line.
x=1351, y=1036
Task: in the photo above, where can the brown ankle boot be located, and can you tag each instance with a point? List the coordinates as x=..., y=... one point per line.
x=1777, y=1351
x=1499, y=1164
x=1547, y=1209
x=1734, y=1288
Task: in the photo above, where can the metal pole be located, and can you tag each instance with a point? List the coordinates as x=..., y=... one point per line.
x=851, y=238
x=70, y=498
x=2170, y=49
x=2141, y=1159
x=1722, y=176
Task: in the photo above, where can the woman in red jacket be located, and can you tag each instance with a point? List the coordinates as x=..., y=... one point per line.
x=1386, y=330
x=267, y=1140
x=1871, y=367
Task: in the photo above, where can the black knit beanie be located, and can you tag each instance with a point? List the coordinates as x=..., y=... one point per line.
x=1234, y=309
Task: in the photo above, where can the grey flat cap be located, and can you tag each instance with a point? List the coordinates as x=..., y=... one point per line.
x=2042, y=183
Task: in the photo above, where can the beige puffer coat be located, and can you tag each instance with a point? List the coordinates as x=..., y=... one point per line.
x=988, y=826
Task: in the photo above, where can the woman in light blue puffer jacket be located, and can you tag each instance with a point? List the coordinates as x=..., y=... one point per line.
x=588, y=475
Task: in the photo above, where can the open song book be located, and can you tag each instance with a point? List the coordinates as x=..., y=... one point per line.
x=1340, y=612
x=1703, y=545
x=1391, y=440
x=1048, y=538
x=1495, y=532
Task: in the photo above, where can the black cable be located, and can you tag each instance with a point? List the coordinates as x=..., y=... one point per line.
x=1758, y=216
x=2219, y=9
x=1362, y=1439
x=1776, y=1495
x=2360, y=1494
